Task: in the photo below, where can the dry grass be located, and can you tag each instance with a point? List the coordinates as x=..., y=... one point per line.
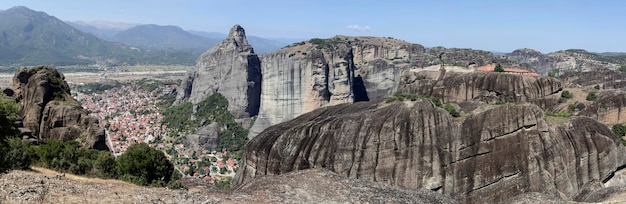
x=41, y=185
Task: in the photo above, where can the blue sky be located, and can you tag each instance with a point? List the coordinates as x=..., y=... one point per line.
x=544, y=25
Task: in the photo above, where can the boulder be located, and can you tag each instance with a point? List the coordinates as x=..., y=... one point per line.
x=488, y=156
x=48, y=111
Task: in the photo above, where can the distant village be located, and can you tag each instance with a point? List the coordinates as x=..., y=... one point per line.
x=130, y=115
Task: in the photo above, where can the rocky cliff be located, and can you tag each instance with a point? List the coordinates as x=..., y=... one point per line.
x=489, y=156
x=307, y=75
x=49, y=111
x=564, y=60
x=609, y=108
x=483, y=86
x=232, y=69
x=603, y=77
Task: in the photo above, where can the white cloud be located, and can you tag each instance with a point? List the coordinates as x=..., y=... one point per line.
x=358, y=28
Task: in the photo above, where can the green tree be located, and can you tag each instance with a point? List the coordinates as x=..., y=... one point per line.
x=8, y=113
x=144, y=165
x=105, y=165
x=498, y=68
x=18, y=156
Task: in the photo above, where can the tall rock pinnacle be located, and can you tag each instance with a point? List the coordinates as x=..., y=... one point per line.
x=232, y=69
x=237, y=36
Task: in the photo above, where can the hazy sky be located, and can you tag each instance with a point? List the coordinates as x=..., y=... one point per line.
x=544, y=25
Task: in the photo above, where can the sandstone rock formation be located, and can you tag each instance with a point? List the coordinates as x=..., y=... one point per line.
x=49, y=111
x=483, y=86
x=490, y=156
x=564, y=60
x=604, y=78
x=206, y=137
x=609, y=108
x=343, y=69
x=232, y=69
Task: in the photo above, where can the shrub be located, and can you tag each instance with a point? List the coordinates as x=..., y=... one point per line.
x=224, y=184
x=566, y=94
x=8, y=112
x=436, y=101
x=144, y=165
x=452, y=110
x=557, y=114
x=620, y=131
x=572, y=107
x=105, y=165
x=591, y=96
x=18, y=156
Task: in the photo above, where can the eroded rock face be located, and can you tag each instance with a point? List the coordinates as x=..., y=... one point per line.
x=49, y=112
x=296, y=84
x=232, y=69
x=609, y=108
x=484, y=86
x=604, y=78
x=564, y=60
x=490, y=156
x=206, y=137
x=344, y=69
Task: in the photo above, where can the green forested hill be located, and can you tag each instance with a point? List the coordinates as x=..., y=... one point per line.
x=30, y=37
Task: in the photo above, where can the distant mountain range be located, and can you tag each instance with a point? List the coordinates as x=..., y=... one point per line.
x=30, y=37
x=102, y=29
x=170, y=37
x=164, y=38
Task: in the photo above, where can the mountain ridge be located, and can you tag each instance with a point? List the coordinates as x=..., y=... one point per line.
x=31, y=37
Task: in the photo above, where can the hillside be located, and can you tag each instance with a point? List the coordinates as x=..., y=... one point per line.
x=164, y=38
x=101, y=29
x=31, y=38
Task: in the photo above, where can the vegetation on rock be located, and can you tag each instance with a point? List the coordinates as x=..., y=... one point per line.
x=565, y=95
x=557, y=114
x=233, y=137
x=620, y=131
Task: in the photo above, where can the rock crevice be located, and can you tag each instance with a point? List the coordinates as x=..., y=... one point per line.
x=489, y=156
x=49, y=111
